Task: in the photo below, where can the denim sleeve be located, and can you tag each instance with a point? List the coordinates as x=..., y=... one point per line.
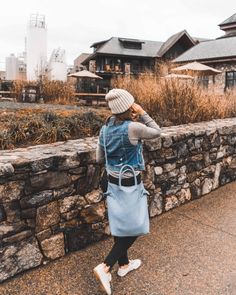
x=100, y=156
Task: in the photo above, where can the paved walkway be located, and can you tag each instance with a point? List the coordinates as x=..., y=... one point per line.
x=191, y=251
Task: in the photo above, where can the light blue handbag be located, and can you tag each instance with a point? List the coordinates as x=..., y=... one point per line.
x=127, y=205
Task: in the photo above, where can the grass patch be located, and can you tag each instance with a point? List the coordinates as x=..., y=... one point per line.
x=31, y=127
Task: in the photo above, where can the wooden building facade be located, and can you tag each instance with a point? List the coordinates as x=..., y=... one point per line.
x=120, y=56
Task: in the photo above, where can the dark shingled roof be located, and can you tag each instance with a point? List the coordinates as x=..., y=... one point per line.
x=230, y=20
x=214, y=49
x=114, y=46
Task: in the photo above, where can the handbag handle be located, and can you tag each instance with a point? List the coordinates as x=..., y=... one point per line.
x=105, y=150
x=122, y=171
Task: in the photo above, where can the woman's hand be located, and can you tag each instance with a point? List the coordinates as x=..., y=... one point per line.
x=137, y=110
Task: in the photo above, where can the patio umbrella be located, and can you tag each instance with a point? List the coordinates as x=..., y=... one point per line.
x=85, y=74
x=179, y=76
x=198, y=68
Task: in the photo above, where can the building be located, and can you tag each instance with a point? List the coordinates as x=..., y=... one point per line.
x=36, y=47
x=57, y=68
x=118, y=56
x=78, y=62
x=219, y=54
x=22, y=66
x=15, y=67
x=12, y=67
x=2, y=75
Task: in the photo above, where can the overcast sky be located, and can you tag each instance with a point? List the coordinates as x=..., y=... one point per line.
x=75, y=24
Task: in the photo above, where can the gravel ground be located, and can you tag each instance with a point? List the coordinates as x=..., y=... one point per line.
x=190, y=251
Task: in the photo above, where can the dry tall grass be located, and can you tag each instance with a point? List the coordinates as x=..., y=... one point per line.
x=51, y=91
x=57, y=91
x=174, y=102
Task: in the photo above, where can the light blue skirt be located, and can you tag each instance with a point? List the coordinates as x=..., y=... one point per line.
x=127, y=210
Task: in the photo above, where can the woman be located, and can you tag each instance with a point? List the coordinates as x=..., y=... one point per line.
x=122, y=147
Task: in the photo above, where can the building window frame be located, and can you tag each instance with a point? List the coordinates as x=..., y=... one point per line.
x=230, y=79
x=132, y=45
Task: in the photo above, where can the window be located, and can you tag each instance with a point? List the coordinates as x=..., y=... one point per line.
x=132, y=45
x=135, y=66
x=230, y=79
x=204, y=81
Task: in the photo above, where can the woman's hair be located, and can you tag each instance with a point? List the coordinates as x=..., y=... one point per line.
x=121, y=117
x=124, y=116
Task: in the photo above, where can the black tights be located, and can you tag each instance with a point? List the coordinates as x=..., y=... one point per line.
x=119, y=251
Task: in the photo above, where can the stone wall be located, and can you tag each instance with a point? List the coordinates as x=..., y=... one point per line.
x=50, y=203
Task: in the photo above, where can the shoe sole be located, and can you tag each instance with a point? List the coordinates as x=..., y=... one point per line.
x=98, y=279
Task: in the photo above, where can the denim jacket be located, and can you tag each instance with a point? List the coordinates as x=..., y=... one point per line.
x=119, y=149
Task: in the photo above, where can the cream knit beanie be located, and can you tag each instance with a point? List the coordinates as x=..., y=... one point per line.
x=119, y=100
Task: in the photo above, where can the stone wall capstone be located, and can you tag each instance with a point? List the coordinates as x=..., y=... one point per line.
x=51, y=204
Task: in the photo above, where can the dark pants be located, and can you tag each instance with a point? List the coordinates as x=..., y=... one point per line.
x=119, y=251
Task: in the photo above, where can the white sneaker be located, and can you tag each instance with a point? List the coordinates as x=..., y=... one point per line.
x=133, y=264
x=103, y=277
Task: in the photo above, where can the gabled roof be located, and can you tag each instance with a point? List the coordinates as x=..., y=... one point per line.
x=214, y=49
x=230, y=20
x=172, y=40
x=114, y=46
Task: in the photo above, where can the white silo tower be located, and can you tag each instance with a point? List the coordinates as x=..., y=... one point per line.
x=57, y=67
x=12, y=67
x=36, y=47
